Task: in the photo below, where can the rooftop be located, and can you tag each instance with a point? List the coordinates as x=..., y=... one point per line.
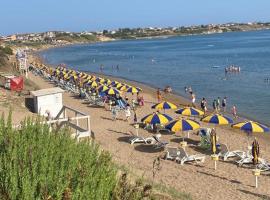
x=46, y=91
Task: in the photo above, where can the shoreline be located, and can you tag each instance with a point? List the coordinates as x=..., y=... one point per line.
x=175, y=97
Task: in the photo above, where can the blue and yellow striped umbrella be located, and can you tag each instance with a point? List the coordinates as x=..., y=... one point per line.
x=183, y=125
x=217, y=119
x=102, y=88
x=251, y=127
x=132, y=90
x=190, y=111
x=112, y=91
x=114, y=83
x=107, y=81
x=156, y=118
x=164, y=105
x=123, y=88
x=93, y=84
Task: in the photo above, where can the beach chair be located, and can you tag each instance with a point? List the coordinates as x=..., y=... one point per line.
x=225, y=153
x=139, y=139
x=263, y=165
x=171, y=153
x=93, y=100
x=184, y=157
x=248, y=159
x=161, y=128
x=205, y=142
x=158, y=143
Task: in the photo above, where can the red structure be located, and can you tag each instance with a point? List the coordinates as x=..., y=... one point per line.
x=16, y=83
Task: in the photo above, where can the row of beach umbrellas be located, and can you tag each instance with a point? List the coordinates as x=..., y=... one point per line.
x=100, y=84
x=188, y=124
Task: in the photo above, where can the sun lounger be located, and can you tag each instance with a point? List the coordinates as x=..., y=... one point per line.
x=93, y=100
x=171, y=153
x=158, y=143
x=184, y=157
x=225, y=153
x=263, y=165
x=138, y=139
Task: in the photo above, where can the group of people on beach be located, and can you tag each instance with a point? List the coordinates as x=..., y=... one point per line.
x=218, y=105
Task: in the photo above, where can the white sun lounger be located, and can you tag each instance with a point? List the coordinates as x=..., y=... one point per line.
x=138, y=139
x=225, y=153
x=158, y=143
x=184, y=157
x=171, y=153
x=263, y=165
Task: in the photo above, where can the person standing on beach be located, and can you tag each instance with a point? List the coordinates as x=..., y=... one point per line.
x=186, y=89
x=127, y=112
x=114, y=113
x=135, y=120
x=234, y=111
x=193, y=99
x=218, y=104
x=215, y=105
x=204, y=105
x=158, y=95
x=224, y=104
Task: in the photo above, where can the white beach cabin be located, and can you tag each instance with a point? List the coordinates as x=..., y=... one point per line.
x=48, y=100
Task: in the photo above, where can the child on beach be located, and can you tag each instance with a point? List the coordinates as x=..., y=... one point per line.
x=127, y=112
x=234, y=111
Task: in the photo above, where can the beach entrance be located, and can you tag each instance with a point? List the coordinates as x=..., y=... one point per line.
x=78, y=122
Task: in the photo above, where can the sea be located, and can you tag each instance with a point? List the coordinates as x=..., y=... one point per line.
x=198, y=61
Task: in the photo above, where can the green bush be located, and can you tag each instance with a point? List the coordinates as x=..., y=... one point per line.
x=38, y=164
x=6, y=50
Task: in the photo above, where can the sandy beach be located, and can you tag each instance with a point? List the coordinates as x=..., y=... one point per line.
x=200, y=181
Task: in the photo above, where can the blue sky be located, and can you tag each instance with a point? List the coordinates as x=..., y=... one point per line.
x=21, y=16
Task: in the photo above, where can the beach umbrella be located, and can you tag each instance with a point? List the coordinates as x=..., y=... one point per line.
x=165, y=105
x=251, y=127
x=107, y=81
x=139, y=89
x=189, y=111
x=74, y=77
x=102, y=88
x=118, y=85
x=123, y=88
x=217, y=119
x=98, y=79
x=255, y=152
x=213, y=138
x=182, y=125
x=92, y=84
x=156, y=118
x=133, y=90
x=111, y=91
x=114, y=83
